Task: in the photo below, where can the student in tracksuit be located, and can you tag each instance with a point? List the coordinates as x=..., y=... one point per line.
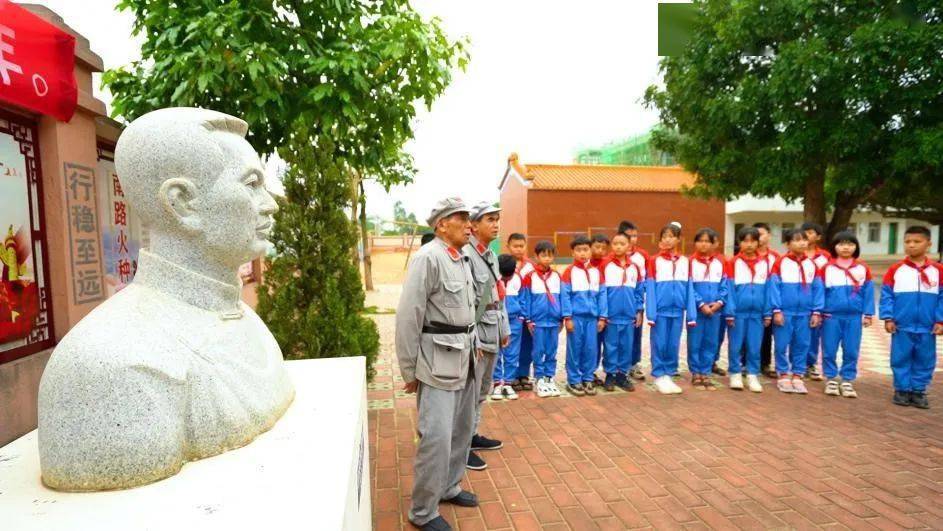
x=747, y=310
x=623, y=282
x=540, y=295
x=582, y=302
x=849, y=305
x=599, y=253
x=771, y=255
x=517, y=247
x=505, y=367
x=639, y=257
x=819, y=256
x=796, y=299
x=709, y=282
x=912, y=310
x=669, y=300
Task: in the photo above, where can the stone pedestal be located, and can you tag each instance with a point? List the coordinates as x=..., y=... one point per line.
x=310, y=471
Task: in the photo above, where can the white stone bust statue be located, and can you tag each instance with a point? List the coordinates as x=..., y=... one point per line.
x=175, y=367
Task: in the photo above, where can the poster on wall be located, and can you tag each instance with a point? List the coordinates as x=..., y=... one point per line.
x=24, y=314
x=121, y=228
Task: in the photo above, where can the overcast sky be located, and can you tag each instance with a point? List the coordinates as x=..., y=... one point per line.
x=545, y=79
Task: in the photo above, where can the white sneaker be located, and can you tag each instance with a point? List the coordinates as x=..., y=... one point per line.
x=675, y=388
x=543, y=390
x=509, y=392
x=848, y=391
x=664, y=385
x=554, y=390
x=736, y=381
x=496, y=393
x=831, y=388
x=753, y=382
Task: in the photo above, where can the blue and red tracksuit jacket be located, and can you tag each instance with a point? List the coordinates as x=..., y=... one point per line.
x=541, y=294
x=513, y=300
x=748, y=282
x=580, y=292
x=668, y=288
x=624, y=286
x=795, y=286
x=708, y=279
x=848, y=291
x=910, y=295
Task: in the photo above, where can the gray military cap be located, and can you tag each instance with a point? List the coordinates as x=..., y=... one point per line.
x=446, y=207
x=478, y=211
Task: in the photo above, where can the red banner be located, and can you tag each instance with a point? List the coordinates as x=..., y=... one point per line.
x=37, y=61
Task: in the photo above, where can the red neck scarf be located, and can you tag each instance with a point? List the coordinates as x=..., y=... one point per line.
x=751, y=263
x=543, y=275
x=922, y=269
x=854, y=281
x=798, y=259
x=625, y=266
x=667, y=255
x=706, y=260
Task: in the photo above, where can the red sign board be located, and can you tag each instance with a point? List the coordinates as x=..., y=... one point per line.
x=37, y=61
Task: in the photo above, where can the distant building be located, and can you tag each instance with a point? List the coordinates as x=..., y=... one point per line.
x=556, y=202
x=634, y=151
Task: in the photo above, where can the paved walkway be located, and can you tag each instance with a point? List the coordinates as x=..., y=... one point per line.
x=717, y=460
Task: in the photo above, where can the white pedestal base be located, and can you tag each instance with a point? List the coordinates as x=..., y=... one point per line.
x=311, y=471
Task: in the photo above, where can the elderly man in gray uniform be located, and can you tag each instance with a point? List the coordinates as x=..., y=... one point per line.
x=435, y=342
x=492, y=327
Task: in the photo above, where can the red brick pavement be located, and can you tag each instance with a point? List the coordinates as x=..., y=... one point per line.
x=719, y=460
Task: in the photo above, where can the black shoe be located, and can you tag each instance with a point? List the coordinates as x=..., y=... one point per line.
x=475, y=463
x=919, y=399
x=464, y=498
x=610, y=383
x=902, y=398
x=625, y=382
x=436, y=524
x=480, y=442
x=719, y=371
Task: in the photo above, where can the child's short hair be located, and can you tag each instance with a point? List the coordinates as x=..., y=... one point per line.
x=506, y=265
x=580, y=240
x=543, y=246
x=426, y=238
x=625, y=225
x=918, y=229
x=620, y=235
x=811, y=225
x=748, y=232
x=762, y=225
x=600, y=238
x=516, y=236
x=706, y=231
x=793, y=234
x=673, y=228
x=845, y=236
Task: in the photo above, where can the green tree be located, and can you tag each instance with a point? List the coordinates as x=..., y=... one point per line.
x=410, y=224
x=814, y=100
x=340, y=75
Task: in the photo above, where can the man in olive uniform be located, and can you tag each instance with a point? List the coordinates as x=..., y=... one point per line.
x=435, y=345
x=491, y=321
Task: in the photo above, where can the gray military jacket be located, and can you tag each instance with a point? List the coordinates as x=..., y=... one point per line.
x=494, y=324
x=439, y=287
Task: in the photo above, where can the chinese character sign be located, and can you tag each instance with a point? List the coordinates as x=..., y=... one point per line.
x=84, y=238
x=120, y=228
x=37, y=62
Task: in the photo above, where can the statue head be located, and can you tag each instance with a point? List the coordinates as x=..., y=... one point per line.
x=194, y=180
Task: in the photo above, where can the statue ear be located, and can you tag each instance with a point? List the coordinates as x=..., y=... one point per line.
x=178, y=197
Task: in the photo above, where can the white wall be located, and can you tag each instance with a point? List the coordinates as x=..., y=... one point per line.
x=776, y=219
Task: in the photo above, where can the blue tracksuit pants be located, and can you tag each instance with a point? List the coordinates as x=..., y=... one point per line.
x=913, y=359
x=505, y=367
x=721, y=332
x=665, y=339
x=703, y=343
x=619, y=340
x=637, y=346
x=746, y=335
x=815, y=345
x=546, y=340
x=793, y=336
x=525, y=358
x=844, y=330
x=581, y=350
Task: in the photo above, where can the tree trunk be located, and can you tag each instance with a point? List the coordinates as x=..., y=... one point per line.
x=367, y=261
x=814, y=199
x=354, y=204
x=845, y=205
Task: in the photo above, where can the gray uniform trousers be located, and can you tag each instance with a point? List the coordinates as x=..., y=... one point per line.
x=483, y=371
x=446, y=420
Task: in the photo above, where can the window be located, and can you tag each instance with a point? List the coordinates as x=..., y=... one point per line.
x=874, y=231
